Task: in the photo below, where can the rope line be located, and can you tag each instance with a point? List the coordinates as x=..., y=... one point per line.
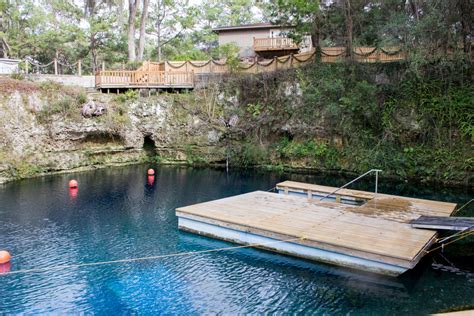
x=450, y=242
x=354, y=51
x=281, y=61
x=265, y=64
x=199, y=66
x=465, y=204
x=462, y=232
x=389, y=52
x=178, y=254
x=305, y=60
x=218, y=63
x=333, y=55
x=247, y=67
x=176, y=67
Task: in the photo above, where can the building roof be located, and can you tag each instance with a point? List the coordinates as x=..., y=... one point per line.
x=264, y=25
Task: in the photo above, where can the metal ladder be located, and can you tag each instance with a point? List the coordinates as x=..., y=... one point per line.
x=358, y=178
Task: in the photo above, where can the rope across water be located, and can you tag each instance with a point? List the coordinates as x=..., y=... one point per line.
x=179, y=254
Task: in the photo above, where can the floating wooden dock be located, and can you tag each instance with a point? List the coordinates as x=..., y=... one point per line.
x=374, y=236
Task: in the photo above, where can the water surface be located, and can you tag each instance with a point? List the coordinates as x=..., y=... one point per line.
x=118, y=214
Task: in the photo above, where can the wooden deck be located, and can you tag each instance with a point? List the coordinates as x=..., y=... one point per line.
x=274, y=44
x=143, y=79
x=374, y=237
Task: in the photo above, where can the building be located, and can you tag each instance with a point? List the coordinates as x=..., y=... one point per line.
x=9, y=66
x=263, y=40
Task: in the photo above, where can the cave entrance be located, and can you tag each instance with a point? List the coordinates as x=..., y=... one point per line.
x=149, y=146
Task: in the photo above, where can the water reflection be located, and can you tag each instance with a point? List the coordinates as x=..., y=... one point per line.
x=123, y=213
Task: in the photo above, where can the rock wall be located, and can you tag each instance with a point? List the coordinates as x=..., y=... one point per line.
x=131, y=131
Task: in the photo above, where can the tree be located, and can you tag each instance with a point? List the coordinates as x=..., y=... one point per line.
x=303, y=16
x=169, y=20
x=143, y=20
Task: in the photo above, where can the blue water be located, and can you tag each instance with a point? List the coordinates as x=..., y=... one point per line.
x=117, y=214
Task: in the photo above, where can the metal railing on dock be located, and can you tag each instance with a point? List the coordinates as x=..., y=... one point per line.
x=356, y=179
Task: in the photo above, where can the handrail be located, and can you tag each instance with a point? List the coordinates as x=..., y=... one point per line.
x=352, y=181
x=274, y=42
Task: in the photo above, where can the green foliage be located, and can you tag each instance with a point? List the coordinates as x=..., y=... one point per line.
x=23, y=169
x=407, y=124
x=81, y=98
x=230, y=52
x=254, y=109
x=63, y=101
x=319, y=155
x=17, y=76
x=249, y=154
x=128, y=96
x=117, y=118
x=192, y=155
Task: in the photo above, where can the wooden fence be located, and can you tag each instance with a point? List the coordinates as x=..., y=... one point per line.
x=181, y=73
x=328, y=55
x=143, y=79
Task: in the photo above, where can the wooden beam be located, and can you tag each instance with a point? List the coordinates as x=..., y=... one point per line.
x=444, y=223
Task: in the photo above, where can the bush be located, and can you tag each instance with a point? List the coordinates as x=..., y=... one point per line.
x=17, y=76
x=129, y=95
x=250, y=154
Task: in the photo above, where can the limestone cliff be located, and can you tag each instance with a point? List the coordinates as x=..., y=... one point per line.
x=43, y=131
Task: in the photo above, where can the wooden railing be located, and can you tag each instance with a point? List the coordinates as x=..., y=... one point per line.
x=141, y=78
x=273, y=43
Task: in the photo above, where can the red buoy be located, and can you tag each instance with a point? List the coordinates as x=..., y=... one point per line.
x=73, y=184
x=4, y=256
x=150, y=172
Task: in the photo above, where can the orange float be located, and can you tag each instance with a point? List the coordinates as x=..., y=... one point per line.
x=73, y=184
x=150, y=172
x=4, y=256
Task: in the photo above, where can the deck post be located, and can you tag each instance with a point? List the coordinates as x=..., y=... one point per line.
x=148, y=77
x=376, y=182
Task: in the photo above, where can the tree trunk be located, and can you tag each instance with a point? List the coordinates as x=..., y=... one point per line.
x=159, y=47
x=316, y=35
x=465, y=10
x=158, y=40
x=348, y=18
x=132, y=12
x=141, y=42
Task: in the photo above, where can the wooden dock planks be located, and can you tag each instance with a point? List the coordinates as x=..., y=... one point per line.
x=393, y=207
x=331, y=226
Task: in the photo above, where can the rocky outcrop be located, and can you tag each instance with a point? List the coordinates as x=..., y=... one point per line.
x=132, y=131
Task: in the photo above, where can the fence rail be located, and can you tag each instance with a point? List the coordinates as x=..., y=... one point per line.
x=181, y=74
x=143, y=78
x=274, y=43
